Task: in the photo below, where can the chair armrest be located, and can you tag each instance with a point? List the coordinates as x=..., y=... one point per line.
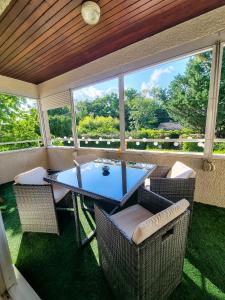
x=152, y=201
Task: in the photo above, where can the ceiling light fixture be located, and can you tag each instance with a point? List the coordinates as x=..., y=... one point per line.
x=90, y=12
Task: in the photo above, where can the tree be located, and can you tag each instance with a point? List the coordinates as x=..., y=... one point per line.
x=131, y=93
x=105, y=106
x=187, y=96
x=59, y=111
x=60, y=125
x=144, y=113
x=18, y=119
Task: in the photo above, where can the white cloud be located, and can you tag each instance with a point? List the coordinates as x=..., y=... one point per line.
x=88, y=93
x=112, y=90
x=154, y=79
x=91, y=92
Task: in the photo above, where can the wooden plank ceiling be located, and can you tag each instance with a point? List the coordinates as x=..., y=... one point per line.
x=40, y=39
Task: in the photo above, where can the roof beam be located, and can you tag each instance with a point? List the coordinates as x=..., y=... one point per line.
x=18, y=87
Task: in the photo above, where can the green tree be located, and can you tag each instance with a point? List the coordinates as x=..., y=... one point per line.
x=131, y=94
x=18, y=119
x=59, y=111
x=187, y=96
x=105, y=106
x=60, y=125
x=144, y=113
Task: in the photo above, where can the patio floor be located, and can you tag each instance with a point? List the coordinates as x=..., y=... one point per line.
x=58, y=270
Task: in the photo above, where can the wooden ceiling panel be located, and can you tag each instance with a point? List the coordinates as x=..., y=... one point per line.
x=41, y=39
x=59, y=54
x=75, y=38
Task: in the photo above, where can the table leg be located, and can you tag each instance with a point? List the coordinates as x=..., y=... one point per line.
x=80, y=242
x=76, y=219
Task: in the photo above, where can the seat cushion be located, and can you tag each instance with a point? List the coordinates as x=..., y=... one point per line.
x=147, y=183
x=149, y=226
x=180, y=170
x=59, y=192
x=34, y=176
x=128, y=219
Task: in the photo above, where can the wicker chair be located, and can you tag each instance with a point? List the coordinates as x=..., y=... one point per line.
x=173, y=189
x=37, y=204
x=150, y=270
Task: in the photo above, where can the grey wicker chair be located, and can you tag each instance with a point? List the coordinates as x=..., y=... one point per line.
x=37, y=208
x=173, y=189
x=150, y=270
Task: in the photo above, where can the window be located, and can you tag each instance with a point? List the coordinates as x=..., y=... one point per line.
x=19, y=125
x=219, y=143
x=60, y=124
x=97, y=115
x=166, y=105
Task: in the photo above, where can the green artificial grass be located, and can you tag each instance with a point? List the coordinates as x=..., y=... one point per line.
x=57, y=270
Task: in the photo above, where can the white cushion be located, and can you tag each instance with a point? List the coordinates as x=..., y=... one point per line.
x=146, y=228
x=147, y=183
x=180, y=170
x=34, y=176
x=128, y=219
x=59, y=192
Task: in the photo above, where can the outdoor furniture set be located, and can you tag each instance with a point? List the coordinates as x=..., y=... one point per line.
x=141, y=243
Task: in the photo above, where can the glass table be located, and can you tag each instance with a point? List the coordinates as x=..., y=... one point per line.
x=102, y=180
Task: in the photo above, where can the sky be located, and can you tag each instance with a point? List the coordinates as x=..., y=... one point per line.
x=145, y=79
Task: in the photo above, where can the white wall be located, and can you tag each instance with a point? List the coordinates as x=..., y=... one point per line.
x=14, y=162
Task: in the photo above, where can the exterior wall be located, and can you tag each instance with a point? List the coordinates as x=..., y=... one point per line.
x=210, y=186
x=15, y=162
x=61, y=158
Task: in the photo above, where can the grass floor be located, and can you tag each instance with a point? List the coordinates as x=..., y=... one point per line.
x=57, y=270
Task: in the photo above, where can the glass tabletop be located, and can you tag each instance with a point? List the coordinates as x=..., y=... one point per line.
x=104, y=179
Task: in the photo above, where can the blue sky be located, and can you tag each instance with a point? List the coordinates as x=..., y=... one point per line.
x=142, y=81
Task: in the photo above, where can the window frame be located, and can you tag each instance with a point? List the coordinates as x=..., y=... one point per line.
x=211, y=107
x=210, y=124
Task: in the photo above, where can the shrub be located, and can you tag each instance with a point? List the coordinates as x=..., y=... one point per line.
x=98, y=126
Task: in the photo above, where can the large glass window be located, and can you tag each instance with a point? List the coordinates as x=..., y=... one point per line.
x=60, y=124
x=97, y=115
x=219, y=144
x=19, y=125
x=166, y=105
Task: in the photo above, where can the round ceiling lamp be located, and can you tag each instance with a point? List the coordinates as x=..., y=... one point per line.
x=90, y=12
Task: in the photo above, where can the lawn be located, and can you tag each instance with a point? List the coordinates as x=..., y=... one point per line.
x=57, y=270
